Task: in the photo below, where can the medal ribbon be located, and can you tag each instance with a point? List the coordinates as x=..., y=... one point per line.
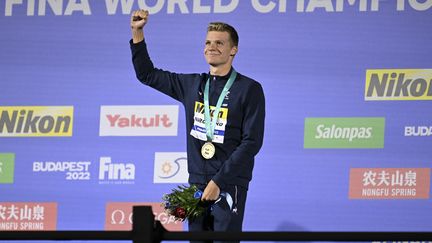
x=209, y=122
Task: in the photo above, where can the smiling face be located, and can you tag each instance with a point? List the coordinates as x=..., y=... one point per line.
x=219, y=49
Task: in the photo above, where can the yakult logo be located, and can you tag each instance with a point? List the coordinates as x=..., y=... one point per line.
x=119, y=216
x=115, y=173
x=28, y=216
x=138, y=121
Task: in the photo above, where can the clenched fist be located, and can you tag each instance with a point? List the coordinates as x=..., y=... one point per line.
x=138, y=19
x=211, y=192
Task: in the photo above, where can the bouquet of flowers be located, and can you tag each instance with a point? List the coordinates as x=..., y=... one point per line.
x=184, y=203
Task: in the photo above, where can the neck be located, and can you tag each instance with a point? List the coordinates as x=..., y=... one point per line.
x=220, y=70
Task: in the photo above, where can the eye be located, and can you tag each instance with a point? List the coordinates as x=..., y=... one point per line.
x=219, y=43
x=207, y=43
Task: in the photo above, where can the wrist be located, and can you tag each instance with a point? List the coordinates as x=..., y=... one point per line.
x=136, y=29
x=137, y=35
x=218, y=183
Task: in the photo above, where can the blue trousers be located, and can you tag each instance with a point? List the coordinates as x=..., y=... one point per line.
x=220, y=216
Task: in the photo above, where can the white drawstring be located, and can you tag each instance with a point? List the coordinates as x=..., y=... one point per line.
x=235, y=196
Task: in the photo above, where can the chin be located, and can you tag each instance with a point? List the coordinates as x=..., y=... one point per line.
x=213, y=64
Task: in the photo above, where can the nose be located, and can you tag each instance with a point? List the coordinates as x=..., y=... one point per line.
x=211, y=46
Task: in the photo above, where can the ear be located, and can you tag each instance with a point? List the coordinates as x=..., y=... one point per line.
x=233, y=51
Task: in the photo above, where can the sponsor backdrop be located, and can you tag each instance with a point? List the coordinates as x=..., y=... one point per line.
x=348, y=136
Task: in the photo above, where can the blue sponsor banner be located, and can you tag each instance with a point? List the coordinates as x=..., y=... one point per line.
x=311, y=57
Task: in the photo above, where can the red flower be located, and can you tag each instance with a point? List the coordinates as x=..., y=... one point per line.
x=180, y=213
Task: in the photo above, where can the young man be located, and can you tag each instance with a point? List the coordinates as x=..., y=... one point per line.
x=225, y=113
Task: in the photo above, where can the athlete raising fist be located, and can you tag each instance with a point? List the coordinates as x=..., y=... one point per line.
x=220, y=155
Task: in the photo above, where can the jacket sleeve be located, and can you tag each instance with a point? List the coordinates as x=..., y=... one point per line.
x=241, y=161
x=171, y=84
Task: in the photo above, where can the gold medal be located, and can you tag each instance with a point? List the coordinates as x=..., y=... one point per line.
x=208, y=150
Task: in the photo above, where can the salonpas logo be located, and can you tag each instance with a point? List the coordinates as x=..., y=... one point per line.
x=7, y=162
x=348, y=132
x=36, y=121
x=398, y=84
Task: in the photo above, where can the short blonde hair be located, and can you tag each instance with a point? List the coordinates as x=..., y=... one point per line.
x=224, y=27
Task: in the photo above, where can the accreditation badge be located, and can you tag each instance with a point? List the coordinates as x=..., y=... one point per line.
x=208, y=150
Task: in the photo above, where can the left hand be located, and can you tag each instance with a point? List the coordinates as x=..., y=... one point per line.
x=211, y=192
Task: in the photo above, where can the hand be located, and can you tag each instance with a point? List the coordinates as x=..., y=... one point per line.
x=139, y=18
x=211, y=192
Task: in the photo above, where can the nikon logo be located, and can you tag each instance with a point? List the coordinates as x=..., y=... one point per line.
x=36, y=121
x=344, y=132
x=398, y=84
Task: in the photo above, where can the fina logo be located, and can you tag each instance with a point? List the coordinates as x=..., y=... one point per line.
x=170, y=167
x=115, y=173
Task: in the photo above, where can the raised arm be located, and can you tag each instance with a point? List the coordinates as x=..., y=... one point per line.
x=138, y=20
